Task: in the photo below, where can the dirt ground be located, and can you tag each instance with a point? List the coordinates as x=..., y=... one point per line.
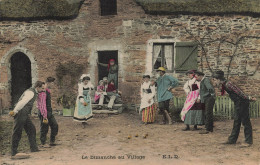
x=106, y=136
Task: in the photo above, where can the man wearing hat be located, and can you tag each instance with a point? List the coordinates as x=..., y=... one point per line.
x=45, y=114
x=164, y=85
x=241, y=113
x=207, y=96
x=22, y=120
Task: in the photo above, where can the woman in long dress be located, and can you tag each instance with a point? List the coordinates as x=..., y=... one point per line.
x=112, y=68
x=83, y=108
x=192, y=112
x=147, y=107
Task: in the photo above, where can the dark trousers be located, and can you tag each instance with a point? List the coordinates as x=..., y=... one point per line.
x=241, y=115
x=209, y=105
x=45, y=128
x=164, y=105
x=22, y=120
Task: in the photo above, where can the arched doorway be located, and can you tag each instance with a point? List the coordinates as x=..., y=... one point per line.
x=21, y=77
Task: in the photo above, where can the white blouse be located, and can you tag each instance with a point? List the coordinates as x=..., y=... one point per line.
x=188, y=85
x=145, y=97
x=80, y=89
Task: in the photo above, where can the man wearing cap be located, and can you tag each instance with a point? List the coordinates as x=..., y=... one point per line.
x=241, y=113
x=164, y=85
x=207, y=96
x=45, y=114
x=21, y=114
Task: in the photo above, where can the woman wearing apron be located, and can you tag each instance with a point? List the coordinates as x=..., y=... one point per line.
x=147, y=107
x=83, y=108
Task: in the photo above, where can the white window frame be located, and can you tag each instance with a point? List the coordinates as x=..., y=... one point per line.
x=173, y=55
x=149, y=53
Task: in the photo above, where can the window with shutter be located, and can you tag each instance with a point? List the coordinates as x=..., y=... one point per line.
x=186, y=56
x=108, y=7
x=182, y=59
x=163, y=55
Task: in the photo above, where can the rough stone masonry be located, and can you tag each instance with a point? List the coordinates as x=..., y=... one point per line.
x=229, y=42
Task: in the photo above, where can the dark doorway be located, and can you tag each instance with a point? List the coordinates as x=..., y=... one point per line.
x=21, y=75
x=104, y=57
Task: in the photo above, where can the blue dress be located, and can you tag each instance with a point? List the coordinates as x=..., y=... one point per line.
x=83, y=112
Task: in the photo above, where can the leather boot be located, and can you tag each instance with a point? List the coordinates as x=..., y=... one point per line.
x=164, y=119
x=168, y=117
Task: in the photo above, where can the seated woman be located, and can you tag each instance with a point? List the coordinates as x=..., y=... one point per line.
x=147, y=107
x=100, y=94
x=112, y=93
x=83, y=108
x=192, y=112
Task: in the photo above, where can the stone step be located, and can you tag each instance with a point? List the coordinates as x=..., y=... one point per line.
x=104, y=111
x=105, y=105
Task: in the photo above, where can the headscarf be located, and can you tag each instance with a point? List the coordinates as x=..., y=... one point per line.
x=108, y=67
x=191, y=72
x=82, y=76
x=147, y=75
x=101, y=81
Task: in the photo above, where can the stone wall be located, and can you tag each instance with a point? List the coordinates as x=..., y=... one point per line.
x=130, y=32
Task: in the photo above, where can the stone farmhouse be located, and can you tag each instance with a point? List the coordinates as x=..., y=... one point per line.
x=38, y=35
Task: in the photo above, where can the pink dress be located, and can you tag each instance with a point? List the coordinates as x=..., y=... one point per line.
x=100, y=89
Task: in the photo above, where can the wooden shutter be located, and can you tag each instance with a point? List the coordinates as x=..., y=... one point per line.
x=186, y=56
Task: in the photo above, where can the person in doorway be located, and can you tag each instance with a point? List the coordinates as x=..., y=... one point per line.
x=45, y=114
x=147, y=107
x=112, y=68
x=192, y=112
x=21, y=114
x=207, y=96
x=105, y=80
x=164, y=85
x=83, y=108
x=100, y=94
x=112, y=94
x=241, y=113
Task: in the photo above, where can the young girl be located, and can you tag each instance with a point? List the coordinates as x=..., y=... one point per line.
x=147, y=107
x=83, y=109
x=100, y=94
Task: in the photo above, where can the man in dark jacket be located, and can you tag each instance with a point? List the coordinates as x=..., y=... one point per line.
x=21, y=114
x=241, y=113
x=45, y=114
x=207, y=96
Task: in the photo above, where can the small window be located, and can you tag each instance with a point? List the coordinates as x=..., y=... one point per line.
x=108, y=7
x=163, y=56
x=179, y=56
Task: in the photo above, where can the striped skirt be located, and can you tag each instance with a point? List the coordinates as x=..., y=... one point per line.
x=148, y=114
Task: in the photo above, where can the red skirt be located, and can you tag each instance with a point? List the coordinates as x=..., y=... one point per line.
x=148, y=114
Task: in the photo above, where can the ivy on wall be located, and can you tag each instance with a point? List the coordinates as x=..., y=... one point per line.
x=67, y=77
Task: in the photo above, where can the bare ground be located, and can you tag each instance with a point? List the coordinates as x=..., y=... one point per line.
x=107, y=136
